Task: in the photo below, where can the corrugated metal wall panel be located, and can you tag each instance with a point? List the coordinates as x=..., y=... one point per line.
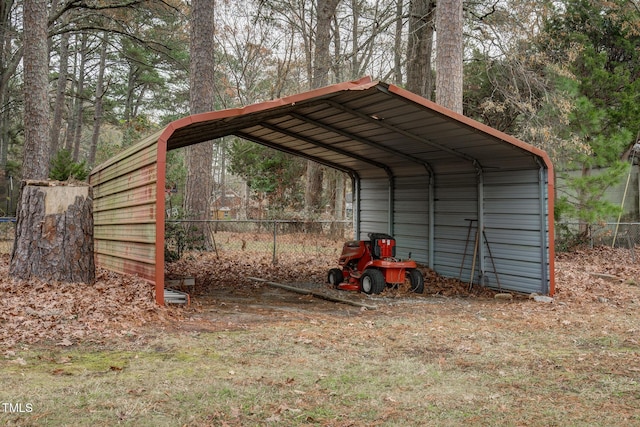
x=411, y=217
x=137, y=178
x=134, y=163
x=118, y=264
x=139, y=252
x=136, y=232
x=125, y=210
x=514, y=227
x=455, y=201
x=128, y=214
x=136, y=196
x=374, y=207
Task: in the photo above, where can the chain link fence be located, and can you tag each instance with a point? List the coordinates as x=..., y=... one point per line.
x=614, y=234
x=275, y=237
x=7, y=233
x=279, y=238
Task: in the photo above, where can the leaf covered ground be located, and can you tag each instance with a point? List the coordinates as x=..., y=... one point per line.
x=246, y=353
x=117, y=305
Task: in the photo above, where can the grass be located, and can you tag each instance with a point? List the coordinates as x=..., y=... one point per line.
x=438, y=364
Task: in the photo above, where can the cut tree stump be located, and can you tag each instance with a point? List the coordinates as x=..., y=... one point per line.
x=54, y=233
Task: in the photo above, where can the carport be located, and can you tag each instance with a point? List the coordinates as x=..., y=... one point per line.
x=422, y=173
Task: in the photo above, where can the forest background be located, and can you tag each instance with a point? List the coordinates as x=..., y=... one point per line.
x=561, y=75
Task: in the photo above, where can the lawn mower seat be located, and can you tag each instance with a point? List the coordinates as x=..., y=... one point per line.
x=382, y=245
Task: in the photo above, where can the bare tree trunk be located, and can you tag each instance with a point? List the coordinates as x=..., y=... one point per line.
x=336, y=190
x=322, y=55
x=35, y=162
x=199, y=158
x=397, y=44
x=79, y=104
x=54, y=231
x=9, y=61
x=420, y=47
x=355, y=62
x=97, y=114
x=313, y=189
x=449, y=50
x=58, y=108
x=322, y=65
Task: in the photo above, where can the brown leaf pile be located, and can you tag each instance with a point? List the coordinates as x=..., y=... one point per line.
x=234, y=268
x=600, y=274
x=66, y=313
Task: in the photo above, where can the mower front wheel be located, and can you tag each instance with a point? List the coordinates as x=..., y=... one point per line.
x=335, y=277
x=372, y=281
x=416, y=280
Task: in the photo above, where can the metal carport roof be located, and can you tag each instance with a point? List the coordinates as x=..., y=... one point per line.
x=393, y=143
x=368, y=128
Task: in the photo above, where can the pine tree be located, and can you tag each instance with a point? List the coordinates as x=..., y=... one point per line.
x=63, y=167
x=594, y=46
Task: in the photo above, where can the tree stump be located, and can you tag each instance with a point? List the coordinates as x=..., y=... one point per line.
x=54, y=233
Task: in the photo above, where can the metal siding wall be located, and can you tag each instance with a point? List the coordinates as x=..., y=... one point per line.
x=374, y=207
x=411, y=228
x=513, y=220
x=124, y=209
x=456, y=200
x=516, y=229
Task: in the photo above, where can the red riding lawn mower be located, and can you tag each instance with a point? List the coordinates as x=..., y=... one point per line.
x=370, y=265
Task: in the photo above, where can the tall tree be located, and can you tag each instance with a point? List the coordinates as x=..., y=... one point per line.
x=322, y=65
x=99, y=101
x=397, y=44
x=35, y=164
x=49, y=244
x=60, y=95
x=78, y=110
x=449, y=54
x=10, y=58
x=419, y=47
x=199, y=158
x=595, y=45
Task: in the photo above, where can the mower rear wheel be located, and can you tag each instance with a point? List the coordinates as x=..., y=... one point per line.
x=372, y=281
x=416, y=280
x=335, y=277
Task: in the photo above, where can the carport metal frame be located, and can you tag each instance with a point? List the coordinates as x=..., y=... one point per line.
x=129, y=201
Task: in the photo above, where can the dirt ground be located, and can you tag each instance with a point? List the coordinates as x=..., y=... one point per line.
x=226, y=297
